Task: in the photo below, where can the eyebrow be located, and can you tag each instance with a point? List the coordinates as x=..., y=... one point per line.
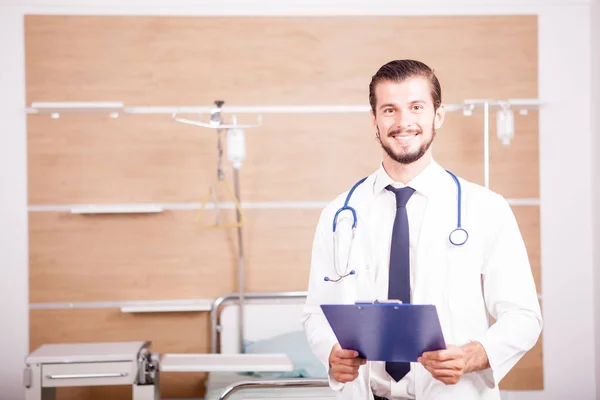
x=410, y=102
x=387, y=105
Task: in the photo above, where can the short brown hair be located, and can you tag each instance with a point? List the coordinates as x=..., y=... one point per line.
x=398, y=71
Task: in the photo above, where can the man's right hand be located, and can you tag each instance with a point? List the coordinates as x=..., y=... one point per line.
x=344, y=364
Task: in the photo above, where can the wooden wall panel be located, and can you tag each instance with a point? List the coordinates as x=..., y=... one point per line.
x=244, y=61
x=82, y=159
x=95, y=258
x=266, y=60
x=151, y=60
x=528, y=218
x=169, y=333
x=514, y=170
x=79, y=159
x=165, y=256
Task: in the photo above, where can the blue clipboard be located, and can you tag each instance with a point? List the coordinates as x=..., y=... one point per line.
x=386, y=331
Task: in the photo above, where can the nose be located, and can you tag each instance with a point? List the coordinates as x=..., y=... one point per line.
x=404, y=120
x=404, y=123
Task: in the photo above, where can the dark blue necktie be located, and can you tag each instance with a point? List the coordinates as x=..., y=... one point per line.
x=399, y=276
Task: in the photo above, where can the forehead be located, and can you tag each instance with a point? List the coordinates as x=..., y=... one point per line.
x=411, y=89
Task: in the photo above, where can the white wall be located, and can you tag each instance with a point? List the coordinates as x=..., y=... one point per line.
x=565, y=171
x=595, y=46
x=14, y=298
x=566, y=203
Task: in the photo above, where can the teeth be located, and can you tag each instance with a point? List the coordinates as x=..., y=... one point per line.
x=408, y=137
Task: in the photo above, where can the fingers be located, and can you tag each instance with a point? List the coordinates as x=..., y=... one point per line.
x=342, y=372
x=344, y=364
x=448, y=377
x=341, y=353
x=446, y=366
x=450, y=353
x=357, y=362
x=443, y=372
x=455, y=364
x=347, y=357
x=350, y=361
x=343, y=369
x=345, y=378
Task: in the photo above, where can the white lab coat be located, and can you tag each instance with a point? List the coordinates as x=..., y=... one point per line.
x=491, y=272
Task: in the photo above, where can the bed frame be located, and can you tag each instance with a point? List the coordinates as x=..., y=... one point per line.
x=283, y=307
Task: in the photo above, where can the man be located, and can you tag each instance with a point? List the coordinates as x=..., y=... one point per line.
x=405, y=212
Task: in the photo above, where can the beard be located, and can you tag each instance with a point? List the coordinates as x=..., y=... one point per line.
x=407, y=158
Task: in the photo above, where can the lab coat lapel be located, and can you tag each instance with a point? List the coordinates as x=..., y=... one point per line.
x=429, y=265
x=366, y=237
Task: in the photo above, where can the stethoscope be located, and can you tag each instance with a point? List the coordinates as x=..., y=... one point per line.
x=457, y=237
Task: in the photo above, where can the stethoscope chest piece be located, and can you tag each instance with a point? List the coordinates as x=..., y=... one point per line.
x=458, y=237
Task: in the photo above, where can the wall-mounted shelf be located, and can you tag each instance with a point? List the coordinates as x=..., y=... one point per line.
x=55, y=109
x=169, y=306
x=117, y=209
x=141, y=306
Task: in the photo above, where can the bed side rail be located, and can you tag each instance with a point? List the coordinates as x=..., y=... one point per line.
x=215, y=327
x=275, y=383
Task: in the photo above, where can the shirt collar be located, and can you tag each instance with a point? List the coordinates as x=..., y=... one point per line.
x=426, y=183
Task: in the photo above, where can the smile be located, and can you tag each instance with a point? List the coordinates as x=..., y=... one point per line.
x=404, y=138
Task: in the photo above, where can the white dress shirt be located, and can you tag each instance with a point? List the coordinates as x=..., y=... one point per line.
x=384, y=213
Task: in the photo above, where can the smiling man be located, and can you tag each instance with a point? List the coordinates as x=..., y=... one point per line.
x=403, y=249
x=407, y=115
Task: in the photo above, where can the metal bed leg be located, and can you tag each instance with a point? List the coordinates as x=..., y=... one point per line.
x=146, y=392
x=147, y=385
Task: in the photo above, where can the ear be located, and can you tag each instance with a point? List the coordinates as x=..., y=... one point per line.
x=375, y=128
x=373, y=119
x=440, y=114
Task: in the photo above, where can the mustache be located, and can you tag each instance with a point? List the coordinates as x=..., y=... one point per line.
x=411, y=131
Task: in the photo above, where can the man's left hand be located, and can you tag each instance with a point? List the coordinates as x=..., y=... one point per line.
x=449, y=365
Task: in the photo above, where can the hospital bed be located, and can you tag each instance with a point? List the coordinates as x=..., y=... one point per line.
x=271, y=360
x=271, y=324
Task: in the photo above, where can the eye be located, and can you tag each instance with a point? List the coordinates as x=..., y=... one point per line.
x=417, y=107
x=388, y=110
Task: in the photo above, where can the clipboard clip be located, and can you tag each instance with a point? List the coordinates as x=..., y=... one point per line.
x=391, y=302
x=367, y=303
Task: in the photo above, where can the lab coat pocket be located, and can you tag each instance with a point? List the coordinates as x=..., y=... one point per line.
x=363, y=278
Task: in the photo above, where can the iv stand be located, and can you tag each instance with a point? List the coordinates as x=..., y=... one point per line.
x=241, y=277
x=217, y=119
x=216, y=122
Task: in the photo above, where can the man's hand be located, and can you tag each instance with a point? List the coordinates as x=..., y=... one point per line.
x=449, y=365
x=344, y=364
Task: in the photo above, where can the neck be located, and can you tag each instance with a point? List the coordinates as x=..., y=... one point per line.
x=404, y=173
